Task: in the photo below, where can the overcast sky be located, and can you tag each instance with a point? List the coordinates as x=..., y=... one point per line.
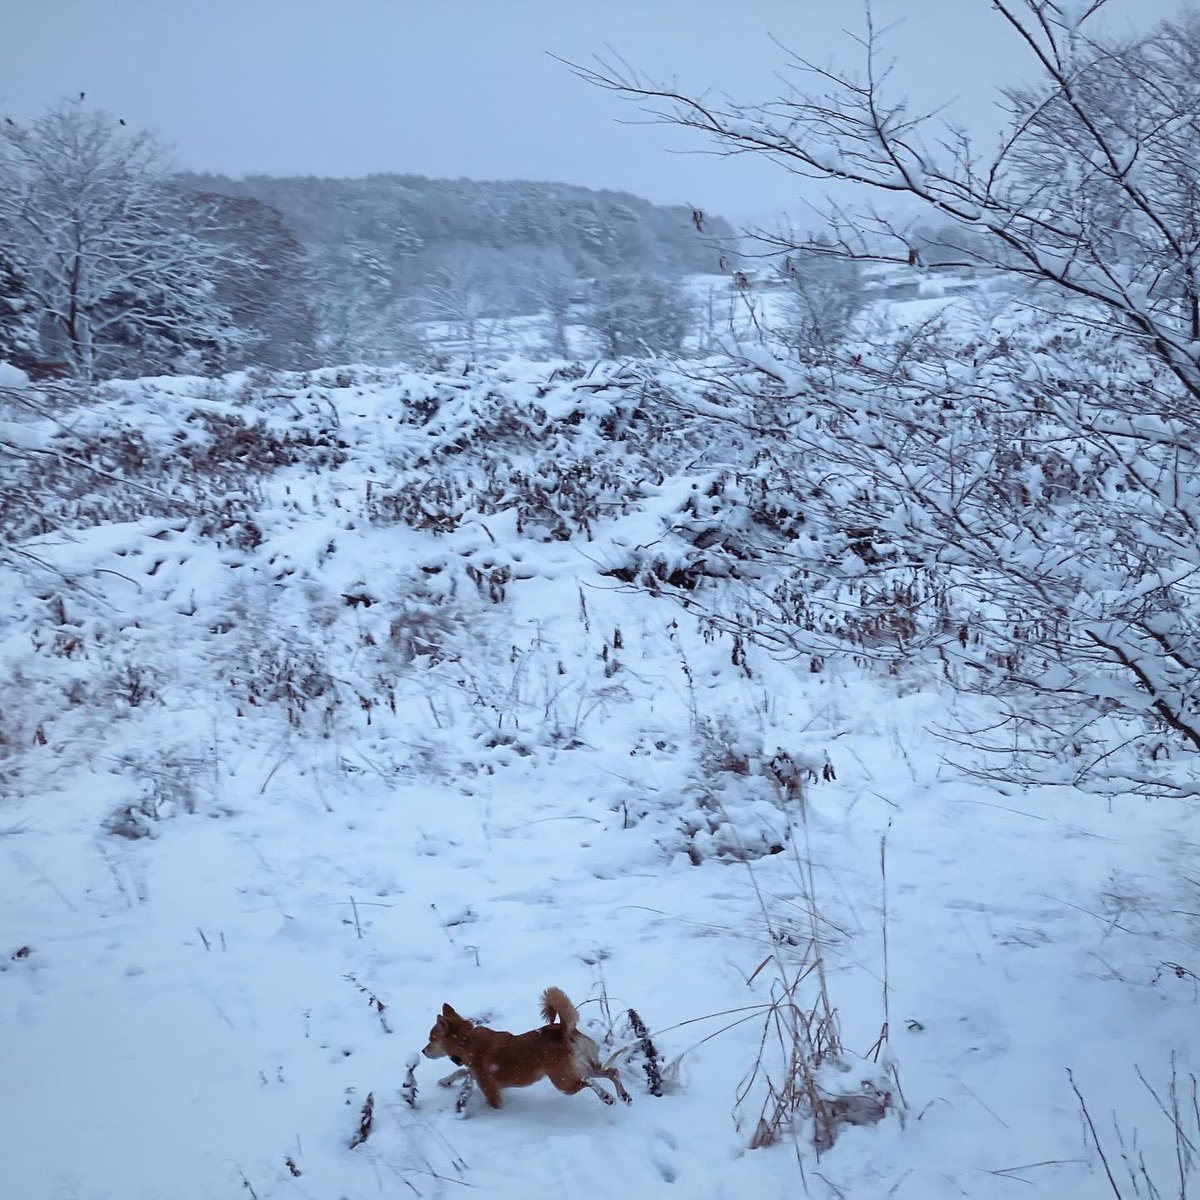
x=467, y=88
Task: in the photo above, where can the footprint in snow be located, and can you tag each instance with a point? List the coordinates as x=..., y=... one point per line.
x=664, y=1155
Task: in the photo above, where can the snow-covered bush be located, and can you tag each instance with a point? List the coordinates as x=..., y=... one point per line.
x=1040, y=491
x=635, y=315
x=968, y=506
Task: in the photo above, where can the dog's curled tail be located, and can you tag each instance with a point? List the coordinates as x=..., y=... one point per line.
x=556, y=1004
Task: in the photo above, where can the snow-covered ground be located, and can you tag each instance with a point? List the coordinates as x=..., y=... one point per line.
x=287, y=772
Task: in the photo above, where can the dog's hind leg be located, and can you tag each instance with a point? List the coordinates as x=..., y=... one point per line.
x=571, y=1085
x=576, y=1085
x=614, y=1077
x=592, y=1068
x=604, y=1094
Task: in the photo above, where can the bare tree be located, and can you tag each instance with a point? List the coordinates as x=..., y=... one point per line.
x=637, y=314
x=18, y=325
x=462, y=295
x=1026, y=506
x=359, y=314
x=822, y=297
x=117, y=262
x=557, y=295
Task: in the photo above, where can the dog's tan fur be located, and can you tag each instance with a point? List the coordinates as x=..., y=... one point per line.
x=495, y=1059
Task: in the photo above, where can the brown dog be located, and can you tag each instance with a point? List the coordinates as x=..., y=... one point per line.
x=495, y=1059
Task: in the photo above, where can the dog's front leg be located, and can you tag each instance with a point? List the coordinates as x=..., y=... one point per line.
x=454, y=1077
x=464, y=1092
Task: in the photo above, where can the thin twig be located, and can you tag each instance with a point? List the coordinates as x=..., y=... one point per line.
x=1087, y=1116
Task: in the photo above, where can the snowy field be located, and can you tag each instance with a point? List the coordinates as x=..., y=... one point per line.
x=293, y=760
x=723, y=314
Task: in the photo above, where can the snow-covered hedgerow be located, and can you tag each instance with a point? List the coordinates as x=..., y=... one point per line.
x=310, y=547
x=1016, y=510
x=1013, y=512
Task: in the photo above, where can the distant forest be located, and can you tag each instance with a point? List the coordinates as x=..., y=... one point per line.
x=372, y=258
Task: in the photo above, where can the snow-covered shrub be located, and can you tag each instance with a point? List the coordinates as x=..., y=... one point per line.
x=561, y=457
x=163, y=787
x=19, y=341
x=972, y=521
x=1018, y=522
x=823, y=296
x=427, y=620
x=634, y=315
x=292, y=676
x=90, y=462
x=739, y=803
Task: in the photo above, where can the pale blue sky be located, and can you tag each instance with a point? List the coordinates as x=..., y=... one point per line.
x=465, y=87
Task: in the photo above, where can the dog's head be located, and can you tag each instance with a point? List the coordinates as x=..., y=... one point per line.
x=447, y=1035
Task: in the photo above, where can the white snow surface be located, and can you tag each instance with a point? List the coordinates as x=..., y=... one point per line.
x=11, y=376
x=547, y=783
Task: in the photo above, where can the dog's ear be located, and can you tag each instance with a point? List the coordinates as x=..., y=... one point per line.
x=447, y=1011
